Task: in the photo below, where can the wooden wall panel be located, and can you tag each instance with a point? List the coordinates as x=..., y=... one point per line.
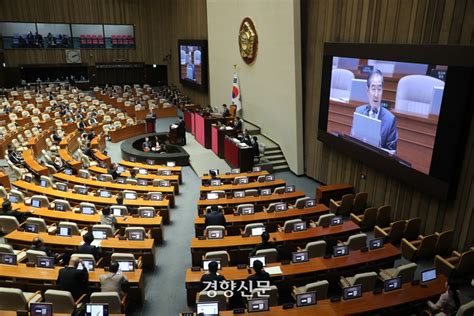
x=386, y=21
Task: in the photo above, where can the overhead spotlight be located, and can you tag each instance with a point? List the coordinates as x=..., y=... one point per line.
x=154, y=65
x=4, y=65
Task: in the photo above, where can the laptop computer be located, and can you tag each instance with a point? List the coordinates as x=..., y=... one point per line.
x=135, y=235
x=258, y=305
x=336, y=220
x=256, y=169
x=59, y=207
x=243, y=180
x=166, y=172
x=82, y=191
x=280, y=207
x=27, y=178
x=207, y=308
x=239, y=194
x=126, y=265
x=215, y=182
x=171, y=164
x=83, y=175
x=13, y=198
x=130, y=196
x=257, y=231
x=8, y=258
x=165, y=183
x=290, y=189
x=64, y=231
x=61, y=187
x=235, y=171
x=142, y=182
x=68, y=171
x=105, y=194
x=252, y=259
x=142, y=171
x=87, y=210
x=99, y=234
x=212, y=196
x=147, y=213
x=43, y=183
x=359, y=90
x=392, y=284
x=97, y=309
x=205, y=264
x=156, y=197
x=88, y=264
x=41, y=309
x=117, y=211
x=299, y=227
x=310, y=203
x=299, y=256
x=306, y=299
x=248, y=210
x=121, y=180
x=428, y=275
x=265, y=192
x=339, y=251
x=352, y=292
x=366, y=129
x=121, y=169
x=35, y=203
x=270, y=177
x=45, y=262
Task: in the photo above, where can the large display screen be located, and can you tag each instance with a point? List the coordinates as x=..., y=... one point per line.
x=392, y=107
x=193, y=63
x=402, y=109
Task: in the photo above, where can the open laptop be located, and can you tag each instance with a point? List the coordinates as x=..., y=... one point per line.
x=299, y=256
x=165, y=183
x=118, y=212
x=270, y=177
x=310, y=203
x=31, y=228
x=299, y=227
x=156, y=197
x=59, y=207
x=376, y=243
x=290, y=189
x=352, y=292
x=83, y=175
x=88, y=264
x=366, y=129
x=257, y=231
x=392, y=284
x=135, y=235
x=359, y=91
x=214, y=234
x=35, y=203
x=45, y=262
x=68, y=171
x=126, y=265
x=64, y=231
x=243, y=180
x=207, y=308
x=265, y=192
x=205, y=264
x=248, y=210
x=121, y=169
x=235, y=171
x=252, y=259
x=41, y=309
x=428, y=275
x=142, y=171
x=61, y=187
x=258, y=305
x=239, y=194
x=166, y=172
x=171, y=164
x=142, y=182
x=27, y=178
x=280, y=207
x=306, y=299
x=43, y=183
x=336, y=220
x=97, y=309
x=99, y=234
x=87, y=210
x=8, y=258
x=256, y=169
x=105, y=194
x=13, y=198
x=147, y=213
x=212, y=196
x=215, y=182
x=130, y=196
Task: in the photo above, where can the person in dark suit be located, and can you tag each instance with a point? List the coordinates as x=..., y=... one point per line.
x=388, y=132
x=256, y=148
x=13, y=156
x=89, y=151
x=81, y=126
x=211, y=276
x=265, y=244
x=182, y=131
x=260, y=274
x=87, y=248
x=38, y=245
x=7, y=210
x=113, y=171
x=226, y=112
x=146, y=146
x=72, y=279
x=215, y=217
x=238, y=124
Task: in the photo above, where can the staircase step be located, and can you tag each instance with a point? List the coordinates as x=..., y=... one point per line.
x=275, y=158
x=280, y=168
x=274, y=153
x=279, y=162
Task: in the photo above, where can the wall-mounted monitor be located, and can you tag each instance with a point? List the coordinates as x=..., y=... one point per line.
x=399, y=109
x=193, y=63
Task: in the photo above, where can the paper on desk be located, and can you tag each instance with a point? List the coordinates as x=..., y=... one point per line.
x=273, y=270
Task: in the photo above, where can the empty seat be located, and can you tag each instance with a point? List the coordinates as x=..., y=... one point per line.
x=251, y=192
x=315, y=249
x=460, y=263
x=366, y=221
x=221, y=255
x=406, y=271
x=271, y=254
x=444, y=243
x=31, y=255
x=241, y=206
x=248, y=228
x=43, y=200
x=367, y=280
x=392, y=234
x=219, y=297
x=323, y=220
x=62, y=301
x=214, y=228
x=341, y=83
x=289, y=225
x=41, y=223
x=107, y=228
x=360, y=202
x=320, y=287
x=301, y=202
x=73, y=226
x=12, y=299
x=116, y=304
x=356, y=242
x=270, y=293
x=20, y=254
x=8, y=224
x=344, y=206
x=422, y=248
x=65, y=204
x=412, y=228
x=279, y=190
x=383, y=216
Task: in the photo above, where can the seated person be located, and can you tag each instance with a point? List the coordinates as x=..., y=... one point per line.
x=146, y=146
x=256, y=149
x=38, y=245
x=114, y=281
x=14, y=156
x=87, y=248
x=106, y=218
x=265, y=244
x=113, y=171
x=215, y=217
x=238, y=124
x=89, y=151
x=226, y=111
x=72, y=279
x=211, y=276
x=260, y=274
x=56, y=138
x=448, y=302
x=7, y=210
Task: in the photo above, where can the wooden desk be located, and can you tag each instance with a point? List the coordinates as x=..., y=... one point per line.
x=238, y=157
x=416, y=134
x=168, y=192
x=4, y=180
x=258, y=201
x=271, y=220
x=34, y=279
x=143, y=248
x=239, y=247
x=335, y=191
x=101, y=157
x=241, y=187
x=177, y=170
x=299, y=274
x=218, y=136
x=126, y=132
x=33, y=165
x=369, y=302
x=70, y=161
x=229, y=178
x=74, y=198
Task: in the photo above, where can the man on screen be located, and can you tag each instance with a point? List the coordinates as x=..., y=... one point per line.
x=388, y=131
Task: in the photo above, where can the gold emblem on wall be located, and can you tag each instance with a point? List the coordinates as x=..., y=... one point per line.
x=248, y=41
